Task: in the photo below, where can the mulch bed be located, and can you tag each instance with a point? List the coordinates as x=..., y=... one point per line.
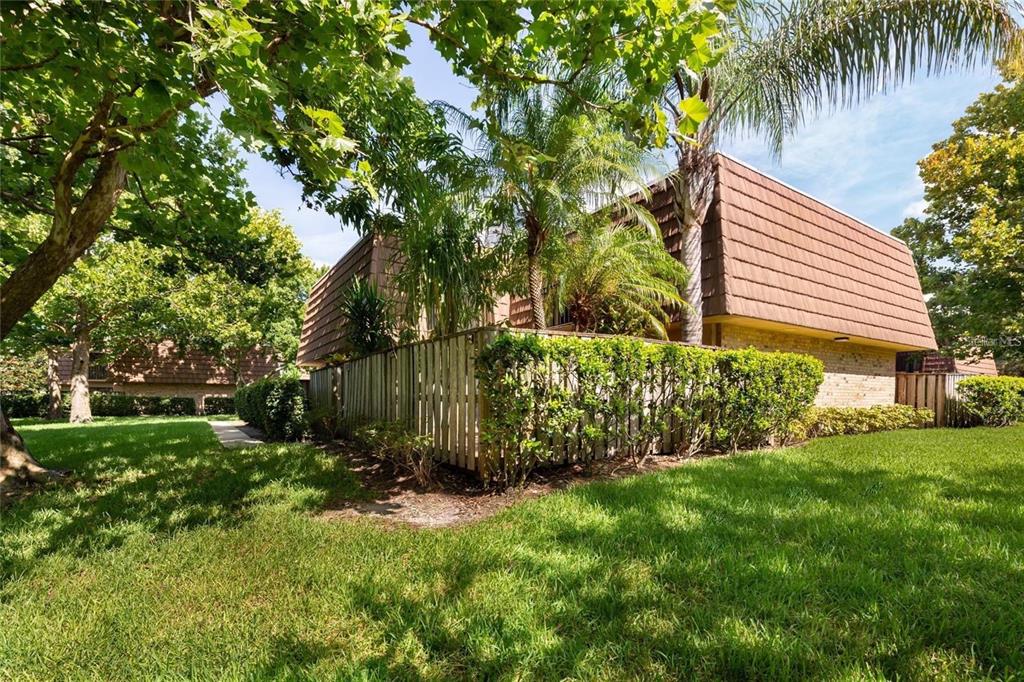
x=458, y=496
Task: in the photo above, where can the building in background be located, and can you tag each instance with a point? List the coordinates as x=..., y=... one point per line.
x=164, y=372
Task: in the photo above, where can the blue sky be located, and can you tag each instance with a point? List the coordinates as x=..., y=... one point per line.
x=861, y=160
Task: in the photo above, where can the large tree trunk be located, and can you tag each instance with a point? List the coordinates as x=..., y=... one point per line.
x=63, y=246
x=53, y=405
x=535, y=279
x=81, y=412
x=15, y=460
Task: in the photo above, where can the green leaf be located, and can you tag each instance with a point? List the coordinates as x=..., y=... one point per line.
x=694, y=111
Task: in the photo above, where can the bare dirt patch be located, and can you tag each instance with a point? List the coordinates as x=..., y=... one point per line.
x=458, y=496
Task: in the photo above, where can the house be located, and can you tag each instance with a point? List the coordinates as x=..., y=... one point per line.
x=780, y=271
x=164, y=372
x=323, y=338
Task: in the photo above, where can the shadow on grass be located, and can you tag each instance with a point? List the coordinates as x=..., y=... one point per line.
x=154, y=476
x=746, y=568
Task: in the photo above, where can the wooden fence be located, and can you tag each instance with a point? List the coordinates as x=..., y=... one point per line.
x=430, y=386
x=937, y=392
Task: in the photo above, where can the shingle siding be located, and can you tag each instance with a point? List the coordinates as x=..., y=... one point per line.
x=323, y=330
x=163, y=365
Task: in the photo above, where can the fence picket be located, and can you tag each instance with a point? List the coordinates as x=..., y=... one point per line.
x=936, y=392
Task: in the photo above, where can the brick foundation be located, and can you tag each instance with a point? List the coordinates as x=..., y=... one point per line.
x=855, y=375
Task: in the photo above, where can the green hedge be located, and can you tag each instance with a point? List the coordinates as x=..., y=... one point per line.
x=119, y=405
x=993, y=401
x=101, y=404
x=626, y=393
x=834, y=421
x=24, y=404
x=275, y=405
x=219, y=405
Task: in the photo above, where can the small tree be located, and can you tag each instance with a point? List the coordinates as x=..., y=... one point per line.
x=369, y=318
x=232, y=317
x=552, y=159
x=616, y=278
x=113, y=300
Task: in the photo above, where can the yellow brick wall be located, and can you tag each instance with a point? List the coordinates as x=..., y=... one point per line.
x=855, y=375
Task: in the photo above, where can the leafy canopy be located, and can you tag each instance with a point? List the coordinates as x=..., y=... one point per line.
x=230, y=317
x=969, y=245
x=308, y=84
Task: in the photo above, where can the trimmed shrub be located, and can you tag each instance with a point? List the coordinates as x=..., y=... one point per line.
x=625, y=394
x=120, y=405
x=395, y=443
x=219, y=405
x=993, y=401
x=274, y=405
x=760, y=394
x=24, y=404
x=101, y=405
x=817, y=422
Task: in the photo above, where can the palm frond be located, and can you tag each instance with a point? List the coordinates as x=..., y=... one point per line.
x=616, y=277
x=792, y=59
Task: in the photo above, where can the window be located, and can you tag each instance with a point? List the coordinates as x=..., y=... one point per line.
x=97, y=369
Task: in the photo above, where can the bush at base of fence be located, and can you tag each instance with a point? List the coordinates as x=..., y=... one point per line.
x=993, y=401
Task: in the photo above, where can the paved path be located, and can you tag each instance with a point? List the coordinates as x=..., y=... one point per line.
x=236, y=434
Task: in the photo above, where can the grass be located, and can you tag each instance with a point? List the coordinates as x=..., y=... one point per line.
x=890, y=555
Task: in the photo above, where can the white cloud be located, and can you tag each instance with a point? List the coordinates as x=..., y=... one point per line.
x=915, y=209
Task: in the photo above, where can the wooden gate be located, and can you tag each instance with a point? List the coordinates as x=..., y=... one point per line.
x=937, y=392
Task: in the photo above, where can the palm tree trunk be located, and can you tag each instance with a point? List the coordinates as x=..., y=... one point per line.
x=81, y=412
x=53, y=405
x=534, y=245
x=691, y=228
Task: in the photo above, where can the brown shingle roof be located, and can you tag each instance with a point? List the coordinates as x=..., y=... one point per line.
x=788, y=258
x=162, y=364
x=323, y=328
x=770, y=252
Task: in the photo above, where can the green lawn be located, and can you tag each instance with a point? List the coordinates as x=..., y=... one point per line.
x=890, y=555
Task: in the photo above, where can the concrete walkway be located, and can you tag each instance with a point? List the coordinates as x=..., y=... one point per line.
x=237, y=434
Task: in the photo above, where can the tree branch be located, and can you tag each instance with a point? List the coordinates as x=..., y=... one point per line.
x=31, y=65
x=63, y=180
x=24, y=138
x=26, y=202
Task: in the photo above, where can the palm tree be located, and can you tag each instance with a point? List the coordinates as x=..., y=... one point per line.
x=617, y=278
x=448, y=271
x=552, y=159
x=785, y=59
